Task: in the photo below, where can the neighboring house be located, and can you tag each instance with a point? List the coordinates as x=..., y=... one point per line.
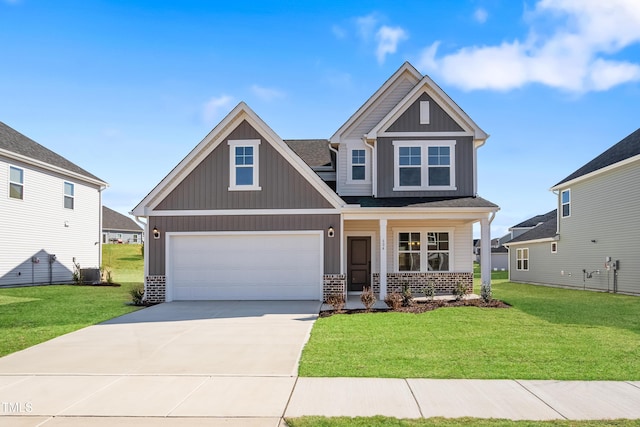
x=118, y=228
x=499, y=253
x=50, y=213
x=591, y=240
x=389, y=200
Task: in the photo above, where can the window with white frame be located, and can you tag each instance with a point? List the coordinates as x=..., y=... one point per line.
x=16, y=183
x=424, y=165
x=554, y=247
x=522, y=259
x=412, y=255
x=243, y=164
x=358, y=165
x=69, y=195
x=566, y=203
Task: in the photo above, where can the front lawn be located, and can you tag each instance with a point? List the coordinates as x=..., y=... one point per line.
x=548, y=333
x=31, y=315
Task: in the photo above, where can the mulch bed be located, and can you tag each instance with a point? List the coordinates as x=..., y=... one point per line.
x=421, y=307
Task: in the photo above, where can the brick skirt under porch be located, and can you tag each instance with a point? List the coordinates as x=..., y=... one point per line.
x=445, y=282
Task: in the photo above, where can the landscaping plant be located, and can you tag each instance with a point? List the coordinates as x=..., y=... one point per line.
x=368, y=298
x=336, y=300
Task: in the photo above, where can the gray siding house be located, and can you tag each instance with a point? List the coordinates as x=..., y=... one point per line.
x=50, y=213
x=389, y=200
x=118, y=228
x=590, y=241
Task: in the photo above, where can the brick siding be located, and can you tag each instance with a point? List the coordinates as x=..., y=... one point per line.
x=445, y=282
x=333, y=284
x=155, y=289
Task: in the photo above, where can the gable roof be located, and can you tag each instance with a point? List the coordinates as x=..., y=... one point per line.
x=406, y=71
x=240, y=113
x=16, y=145
x=626, y=149
x=534, y=221
x=545, y=230
x=112, y=220
x=314, y=152
x=427, y=85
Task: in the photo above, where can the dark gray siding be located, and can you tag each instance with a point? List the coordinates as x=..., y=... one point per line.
x=464, y=169
x=206, y=187
x=440, y=121
x=165, y=224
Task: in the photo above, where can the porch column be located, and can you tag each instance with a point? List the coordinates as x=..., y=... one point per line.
x=485, y=251
x=383, y=259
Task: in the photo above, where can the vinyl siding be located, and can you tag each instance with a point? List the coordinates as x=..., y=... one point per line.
x=156, y=248
x=35, y=227
x=605, y=209
x=207, y=186
x=464, y=169
x=409, y=121
x=343, y=186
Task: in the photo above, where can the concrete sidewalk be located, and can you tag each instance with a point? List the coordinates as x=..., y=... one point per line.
x=168, y=400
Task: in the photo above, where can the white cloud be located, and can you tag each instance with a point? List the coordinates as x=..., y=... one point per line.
x=366, y=26
x=213, y=108
x=388, y=39
x=574, y=55
x=480, y=15
x=266, y=94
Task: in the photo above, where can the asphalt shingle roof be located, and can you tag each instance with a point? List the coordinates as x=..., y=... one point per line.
x=419, y=202
x=112, y=220
x=314, y=152
x=625, y=149
x=15, y=142
x=532, y=222
x=545, y=230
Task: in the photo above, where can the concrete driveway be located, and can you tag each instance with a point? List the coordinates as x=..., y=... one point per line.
x=180, y=359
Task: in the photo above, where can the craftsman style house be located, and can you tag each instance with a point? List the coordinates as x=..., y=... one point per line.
x=50, y=213
x=388, y=201
x=590, y=241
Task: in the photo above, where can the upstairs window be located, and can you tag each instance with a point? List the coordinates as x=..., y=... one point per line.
x=566, y=203
x=358, y=165
x=16, y=183
x=68, y=195
x=424, y=165
x=243, y=165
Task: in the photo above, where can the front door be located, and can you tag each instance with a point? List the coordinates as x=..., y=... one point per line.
x=358, y=263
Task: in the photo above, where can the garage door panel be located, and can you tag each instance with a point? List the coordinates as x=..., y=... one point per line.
x=245, y=266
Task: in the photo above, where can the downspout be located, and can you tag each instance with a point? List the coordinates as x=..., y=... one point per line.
x=374, y=181
x=485, y=272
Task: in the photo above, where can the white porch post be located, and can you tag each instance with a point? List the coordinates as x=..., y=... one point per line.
x=485, y=251
x=383, y=259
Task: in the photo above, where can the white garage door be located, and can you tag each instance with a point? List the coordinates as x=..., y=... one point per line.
x=238, y=266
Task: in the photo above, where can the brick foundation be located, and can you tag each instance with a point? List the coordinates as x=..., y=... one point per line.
x=333, y=284
x=155, y=289
x=445, y=282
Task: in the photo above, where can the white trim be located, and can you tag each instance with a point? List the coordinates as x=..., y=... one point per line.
x=170, y=235
x=233, y=144
x=518, y=251
x=9, y=182
x=395, y=231
x=554, y=247
x=72, y=196
x=470, y=214
x=562, y=204
x=596, y=173
x=425, y=116
x=423, y=134
x=424, y=166
x=239, y=212
x=355, y=233
x=367, y=166
x=528, y=242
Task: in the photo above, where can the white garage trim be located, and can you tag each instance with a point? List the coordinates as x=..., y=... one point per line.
x=292, y=270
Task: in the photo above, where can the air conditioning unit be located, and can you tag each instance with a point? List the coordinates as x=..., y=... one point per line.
x=90, y=276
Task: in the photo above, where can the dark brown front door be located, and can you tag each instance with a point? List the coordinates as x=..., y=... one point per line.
x=358, y=263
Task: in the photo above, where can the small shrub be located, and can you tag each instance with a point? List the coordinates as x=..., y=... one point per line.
x=429, y=290
x=137, y=295
x=107, y=275
x=407, y=297
x=459, y=291
x=336, y=301
x=393, y=300
x=368, y=298
x=77, y=274
x=485, y=292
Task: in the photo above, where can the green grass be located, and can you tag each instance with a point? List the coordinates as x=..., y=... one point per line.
x=548, y=333
x=31, y=315
x=446, y=422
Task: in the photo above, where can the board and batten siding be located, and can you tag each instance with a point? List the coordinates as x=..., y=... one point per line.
x=409, y=121
x=606, y=209
x=207, y=186
x=463, y=164
x=245, y=223
x=39, y=225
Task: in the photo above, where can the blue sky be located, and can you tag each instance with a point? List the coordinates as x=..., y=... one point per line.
x=126, y=89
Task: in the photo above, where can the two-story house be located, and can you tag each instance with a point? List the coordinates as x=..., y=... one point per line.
x=389, y=200
x=50, y=213
x=590, y=241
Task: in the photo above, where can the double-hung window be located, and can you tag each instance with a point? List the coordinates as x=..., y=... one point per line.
x=358, y=165
x=424, y=165
x=522, y=259
x=243, y=164
x=414, y=256
x=566, y=203
x=16, y=183
x=68, y=195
